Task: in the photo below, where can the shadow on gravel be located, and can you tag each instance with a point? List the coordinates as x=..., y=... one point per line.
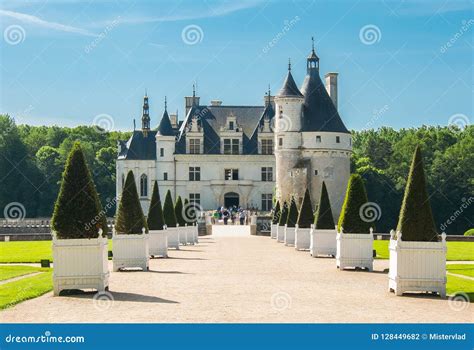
x=170, y=272
x=118, y=296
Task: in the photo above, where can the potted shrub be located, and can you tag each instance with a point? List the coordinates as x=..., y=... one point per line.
x=130, y=239
x=187, y=214
x=354, y=238
x=417, y=255
x=181, y=223
x=193, y=220
x=275, y=218
x=305, y=221
x=79, y=230
x=291, y=224
x=323, y=233
x=282, y=223
x=158, y=240
x=170, y=221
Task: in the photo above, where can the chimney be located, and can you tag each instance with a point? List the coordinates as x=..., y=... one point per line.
x=215, y=103
x=331, y=86
x=174, y=120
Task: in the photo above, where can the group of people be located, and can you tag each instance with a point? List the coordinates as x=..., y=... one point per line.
x=231, y=214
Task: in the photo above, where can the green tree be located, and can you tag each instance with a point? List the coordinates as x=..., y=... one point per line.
x=305, y=218
x=416, y=219
x=324, y=219
x=130, y=218
x=284, y=214
x=78, y=212
x=292, y=219
x=155, y=218
x=178, y=211
x=168, y=211
x=356, y=197
x=276, y=213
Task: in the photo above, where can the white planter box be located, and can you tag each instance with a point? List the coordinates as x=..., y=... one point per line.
x=80, y=264
x=182, y=234
x=323, y=242
x=190, y=235
x=290, y=236
x=280, y=234
x=302, y=238
x=417, y=266
x=173, y=237
x=196, y=234
x=130, y=251
x=273, y=231
x=158, y=243
x=355, y=250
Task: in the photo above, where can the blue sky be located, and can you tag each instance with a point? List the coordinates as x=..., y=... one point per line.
x=400, y=63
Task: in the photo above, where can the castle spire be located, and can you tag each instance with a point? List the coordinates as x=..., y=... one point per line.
x=145, y=116
x=312, y=62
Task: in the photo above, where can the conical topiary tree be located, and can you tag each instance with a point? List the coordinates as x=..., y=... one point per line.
x=155, y=218
x=323, y=219
x=189, y=213
x=77, y=211
x=130, y=218
x=168, y=211
x=276, y=213
x=356, y=196
x=305, y=219
x=178, y=211
x=416, y=219
x=292, y=214
x=284, y=214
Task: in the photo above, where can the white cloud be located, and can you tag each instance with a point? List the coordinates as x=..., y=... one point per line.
x=33, y=20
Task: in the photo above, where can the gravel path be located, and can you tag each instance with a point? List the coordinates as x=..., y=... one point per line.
x=242, y=279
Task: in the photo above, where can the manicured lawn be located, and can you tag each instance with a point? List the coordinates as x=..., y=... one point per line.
x=12, y=293
x=7, y=272
x=456, y=285
x=457, y=251
x=28, y=252
x=461, y=269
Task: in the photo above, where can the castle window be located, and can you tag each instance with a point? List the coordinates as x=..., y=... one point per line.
x=231, y=174
x=267, y=146
x=318, y=139
x=165, y=176
x=194, y=173
x=143, y=186
x=231, y=146
x=231, y=125
x=338, y=139
x=195, y=198
x=194, y=146
x=280, y=141
x=315, y=172
x=267, y=174
x=266, y=201
x=123, y=180
x=162, y=152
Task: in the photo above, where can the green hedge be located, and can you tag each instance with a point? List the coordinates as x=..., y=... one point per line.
x=168, y=211
x=469, y=232
x=155, y=218
x=284, y=215
x=130, y=218
x=292, y=214
x=178, y=211
x=356, y=196
x=324, y=219
x=276, y=213
x=305, y=218
x=416, y=221
x=77, y=211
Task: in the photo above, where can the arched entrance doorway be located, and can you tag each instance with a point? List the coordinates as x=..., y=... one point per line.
x=231, y=199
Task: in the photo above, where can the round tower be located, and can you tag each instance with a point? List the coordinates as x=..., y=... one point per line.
x=288, y=122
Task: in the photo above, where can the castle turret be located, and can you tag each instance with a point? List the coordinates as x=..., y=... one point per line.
x=145, y=116
x=165, y=150
x=288, y=124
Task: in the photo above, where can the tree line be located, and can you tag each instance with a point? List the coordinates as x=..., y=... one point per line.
x=32, y=159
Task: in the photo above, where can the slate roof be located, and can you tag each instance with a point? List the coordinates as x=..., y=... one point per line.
x=289, y=88
x=165, y=127
x=319, y=112
x=139, y=146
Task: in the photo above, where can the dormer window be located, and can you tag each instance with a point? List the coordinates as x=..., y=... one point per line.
x=231, y=146
x=231, y=125
x=194, y=146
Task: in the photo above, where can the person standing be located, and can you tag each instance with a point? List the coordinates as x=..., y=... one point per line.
x=225, y=215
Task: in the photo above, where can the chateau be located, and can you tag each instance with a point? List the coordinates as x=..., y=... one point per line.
x=243, y=155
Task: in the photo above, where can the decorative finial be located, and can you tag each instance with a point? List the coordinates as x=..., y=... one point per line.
x=165, y=103
x=289, y=64
x=146, y=94
x=312, y=39
x=194, y=90
x=134, y=124
x=269, y=93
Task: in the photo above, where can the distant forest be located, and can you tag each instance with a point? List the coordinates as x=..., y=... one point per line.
x=32, y=159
